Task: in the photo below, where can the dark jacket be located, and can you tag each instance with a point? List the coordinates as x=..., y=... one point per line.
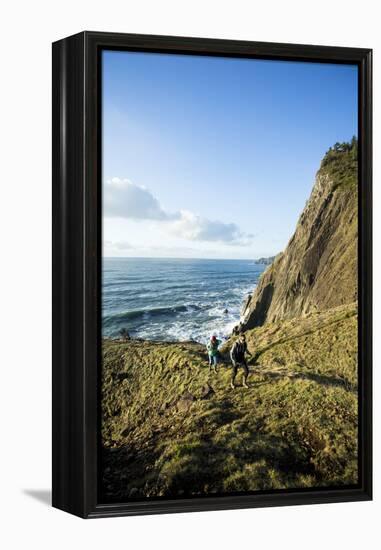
x=238, y=350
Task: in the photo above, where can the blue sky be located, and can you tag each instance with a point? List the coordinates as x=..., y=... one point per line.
x=215, y=157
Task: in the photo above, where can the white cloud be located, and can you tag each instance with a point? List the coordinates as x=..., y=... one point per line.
x=195, y=228
x=124, y=199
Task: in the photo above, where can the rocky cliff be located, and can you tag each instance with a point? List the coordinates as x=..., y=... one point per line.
x=318, y=269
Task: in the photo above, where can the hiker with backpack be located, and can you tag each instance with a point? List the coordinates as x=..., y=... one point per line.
x=212, y=349
x=237, y=356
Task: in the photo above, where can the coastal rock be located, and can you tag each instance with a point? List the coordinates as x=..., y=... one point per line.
x=265, y=261
x=246, y=303
x=185, y=402
x=206, y=391
x=318, y=269
x=184, y=405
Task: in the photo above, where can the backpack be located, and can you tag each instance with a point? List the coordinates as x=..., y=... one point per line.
x=238, y=350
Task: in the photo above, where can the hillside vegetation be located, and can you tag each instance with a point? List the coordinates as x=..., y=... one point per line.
x=340, y=163
x=170, y=428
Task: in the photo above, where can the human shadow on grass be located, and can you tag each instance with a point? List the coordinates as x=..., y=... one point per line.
x=293, y=337
x=329, y=381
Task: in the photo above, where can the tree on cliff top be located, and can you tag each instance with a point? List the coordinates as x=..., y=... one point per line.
x=340, y=162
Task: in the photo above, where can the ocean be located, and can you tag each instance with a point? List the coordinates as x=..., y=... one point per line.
x=175, y=299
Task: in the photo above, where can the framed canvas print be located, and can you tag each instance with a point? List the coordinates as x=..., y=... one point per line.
x=211, y=274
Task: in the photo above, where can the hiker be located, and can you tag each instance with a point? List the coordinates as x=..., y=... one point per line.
x=124, y=334
x=237, y=356
x=235, y=330
x=212, y=348
x=238, y=329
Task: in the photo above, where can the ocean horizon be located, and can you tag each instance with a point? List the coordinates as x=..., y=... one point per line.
x=175, y=299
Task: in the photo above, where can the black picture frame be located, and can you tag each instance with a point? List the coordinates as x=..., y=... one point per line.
x=76, y=268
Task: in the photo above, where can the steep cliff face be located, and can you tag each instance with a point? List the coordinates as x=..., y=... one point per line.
x=318, y=269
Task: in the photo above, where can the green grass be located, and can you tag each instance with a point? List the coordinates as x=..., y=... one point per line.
x=296, y=426
x=341, y=164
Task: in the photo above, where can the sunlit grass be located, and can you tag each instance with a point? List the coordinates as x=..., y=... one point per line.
x=296, y=426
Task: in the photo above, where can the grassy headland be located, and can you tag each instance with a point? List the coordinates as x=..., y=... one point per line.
x=170, y=429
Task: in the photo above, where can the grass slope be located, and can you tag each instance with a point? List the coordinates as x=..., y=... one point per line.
x=295, y=427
